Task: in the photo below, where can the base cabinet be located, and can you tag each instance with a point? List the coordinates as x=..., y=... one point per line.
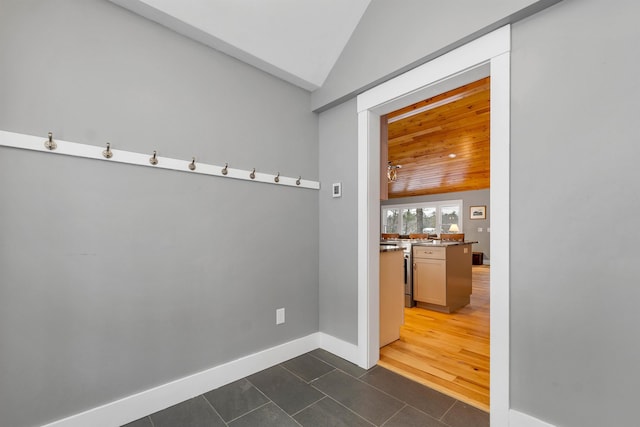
x=442, y=277
x=430, y=281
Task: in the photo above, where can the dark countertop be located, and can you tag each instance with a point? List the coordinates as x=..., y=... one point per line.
x=390, y=248
x=441, y=244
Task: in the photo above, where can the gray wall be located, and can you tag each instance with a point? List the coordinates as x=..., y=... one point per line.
x=339, y=223
x=574, y=298
x=574, y=153
x=470, y=226
x=395, y=36
x=372, y=55
x=116, y=278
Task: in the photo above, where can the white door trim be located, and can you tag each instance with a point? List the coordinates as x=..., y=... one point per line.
x=492, y=50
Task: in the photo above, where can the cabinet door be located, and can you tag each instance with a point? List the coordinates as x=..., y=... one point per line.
x=430, y=281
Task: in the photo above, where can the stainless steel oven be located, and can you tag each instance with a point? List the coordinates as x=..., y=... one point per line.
x=408, y=273
x=408, y=279
x=406, y=246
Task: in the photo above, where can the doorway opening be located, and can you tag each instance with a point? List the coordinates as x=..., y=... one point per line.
x=488, y=55
x=441, y=148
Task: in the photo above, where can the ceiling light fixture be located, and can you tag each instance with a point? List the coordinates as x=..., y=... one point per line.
x=453, y=155
x=392, y=172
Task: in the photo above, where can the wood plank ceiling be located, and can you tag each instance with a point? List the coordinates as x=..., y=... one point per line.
x=423, y=138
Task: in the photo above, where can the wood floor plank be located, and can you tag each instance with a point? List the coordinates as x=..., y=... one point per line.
x=448, y=352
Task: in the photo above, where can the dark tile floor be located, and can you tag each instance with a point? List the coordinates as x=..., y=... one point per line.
x=319, y=389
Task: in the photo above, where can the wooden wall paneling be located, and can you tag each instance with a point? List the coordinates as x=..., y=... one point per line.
x=453, y=122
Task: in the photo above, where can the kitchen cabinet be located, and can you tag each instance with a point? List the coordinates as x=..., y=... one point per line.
x=391, y=294
x=442, y=276
x=430, y=280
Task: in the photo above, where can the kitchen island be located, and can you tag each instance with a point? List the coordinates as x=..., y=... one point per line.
x=442, y=275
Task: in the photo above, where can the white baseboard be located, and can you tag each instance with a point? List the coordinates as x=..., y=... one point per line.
x=338, y=347
x=520, y=419
x=139, y=405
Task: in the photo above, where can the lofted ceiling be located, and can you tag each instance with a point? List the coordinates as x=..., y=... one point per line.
x=297, y=41
x=300, y=42
x=442, y=143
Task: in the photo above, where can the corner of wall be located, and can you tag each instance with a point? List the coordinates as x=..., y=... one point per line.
x=520, y=419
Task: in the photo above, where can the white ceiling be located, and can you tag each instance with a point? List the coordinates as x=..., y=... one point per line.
x=296, y=40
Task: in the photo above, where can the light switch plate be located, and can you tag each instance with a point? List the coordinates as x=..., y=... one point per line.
x=280, y=316
x=479, y=229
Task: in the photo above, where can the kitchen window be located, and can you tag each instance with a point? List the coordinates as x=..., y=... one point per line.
x=428, y=217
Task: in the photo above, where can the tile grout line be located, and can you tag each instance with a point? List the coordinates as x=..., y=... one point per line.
x=270, y=401
x=447, y=411
x=368, y=371
x=256, y=387
x=351, y=410
x=302, y=379
x=407, y=403
x=339, y=369
x=380, y=390
x=248, y=412
x=310, y=405
x=214, y=409
x=396, y=413
x=323, y=361
x=324, y=395
x=324, y=375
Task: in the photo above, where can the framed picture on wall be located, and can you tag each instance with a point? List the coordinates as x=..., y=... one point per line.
x=477, y=212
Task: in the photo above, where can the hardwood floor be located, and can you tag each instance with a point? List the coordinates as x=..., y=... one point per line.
x=447, y=352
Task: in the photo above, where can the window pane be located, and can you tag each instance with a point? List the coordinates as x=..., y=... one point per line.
x=423, y=218
x=428, y=225
x=409, y=224
x=390, y=220
x=450, y=215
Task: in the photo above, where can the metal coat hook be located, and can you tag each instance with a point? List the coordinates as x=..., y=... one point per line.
x=50, y=144
x=46, y=142
x=108, y=153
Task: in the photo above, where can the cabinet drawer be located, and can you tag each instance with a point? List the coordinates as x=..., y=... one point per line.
x=430, y=253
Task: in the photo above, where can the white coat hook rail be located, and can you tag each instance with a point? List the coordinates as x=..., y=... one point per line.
x=106, y=153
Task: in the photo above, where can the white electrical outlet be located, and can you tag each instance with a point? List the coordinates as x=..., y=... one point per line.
x=479, y=229
x=466, y=250
x=280, y=316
